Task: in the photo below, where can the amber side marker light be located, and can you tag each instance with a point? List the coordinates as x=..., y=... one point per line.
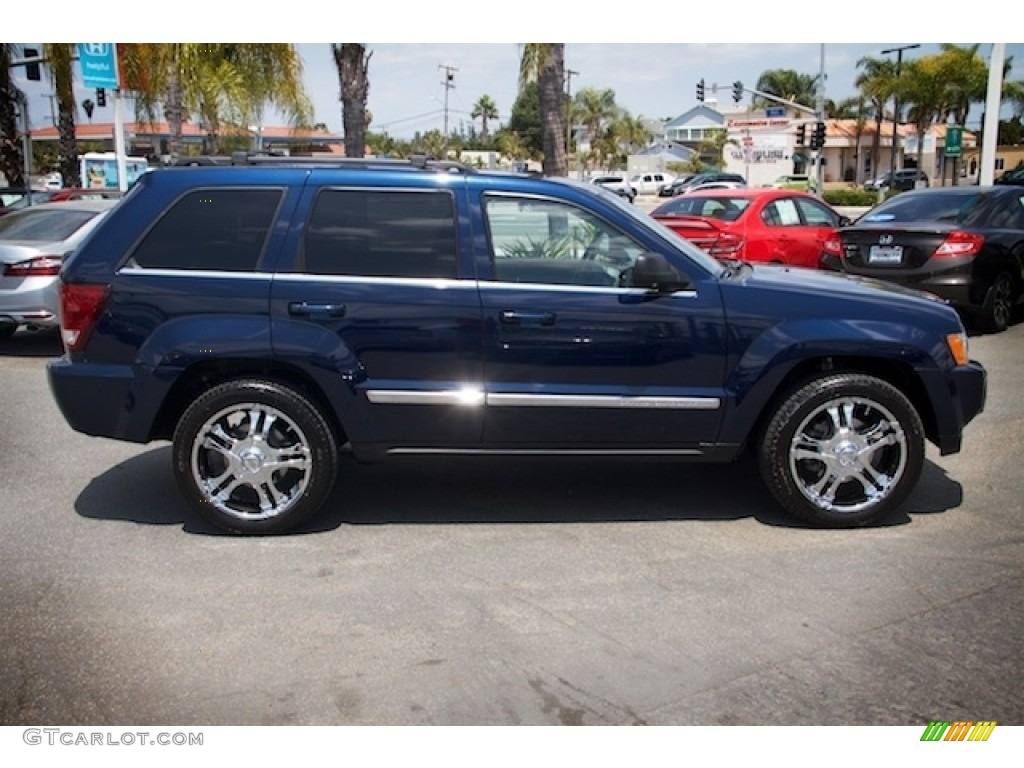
x=957, y=343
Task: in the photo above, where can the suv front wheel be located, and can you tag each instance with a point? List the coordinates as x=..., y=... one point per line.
x=254, y=456
x=843, y=450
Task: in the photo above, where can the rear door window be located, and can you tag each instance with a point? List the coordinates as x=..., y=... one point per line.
x=382, y=233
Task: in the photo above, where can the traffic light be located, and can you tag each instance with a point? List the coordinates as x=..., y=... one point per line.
x=101, y=97
x=801, y=134
x=818, y=137
x=32, y=70
x=700, y=90
x=737, y=91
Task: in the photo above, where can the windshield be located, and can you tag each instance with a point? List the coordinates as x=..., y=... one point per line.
x=953, y=206
x=43, y=225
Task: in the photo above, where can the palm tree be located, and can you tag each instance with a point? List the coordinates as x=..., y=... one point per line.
x=854, y=108
x=59, y=62
x=485, y=109
x=595, y=110
x=786, y=84
x=876, y=82
x=713, y=146
x=221, y=82
x=352, y=62
x=12, y=158
x=921, y=87
x=544, y=63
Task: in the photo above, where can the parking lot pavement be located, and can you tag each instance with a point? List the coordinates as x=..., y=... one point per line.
x=434, y=592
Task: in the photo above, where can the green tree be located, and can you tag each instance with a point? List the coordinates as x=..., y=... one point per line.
x=854, y=108
x=921, y=87
x=12, y=157
x=222, y=83
x=484, y=110
x=544, y=63
x=59, y=62
x=710, y=151
x=524, y=122
x=786, y=84
x=877, y=83
x=352, y=62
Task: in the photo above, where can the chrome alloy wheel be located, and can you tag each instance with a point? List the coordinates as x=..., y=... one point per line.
x=251, y=461
x=848, y=455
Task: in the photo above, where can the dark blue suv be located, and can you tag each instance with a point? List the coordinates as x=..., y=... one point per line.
x=266, y=314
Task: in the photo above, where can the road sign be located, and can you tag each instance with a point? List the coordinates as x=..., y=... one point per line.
x=99, y=65
x=748, y=141
x=775, y=112
x=954, y=140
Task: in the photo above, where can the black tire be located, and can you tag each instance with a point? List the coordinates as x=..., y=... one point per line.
x=997, y=310
x=254, y=456
x=833, y=438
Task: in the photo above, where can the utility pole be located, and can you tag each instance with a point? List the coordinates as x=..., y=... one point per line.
x=449, y=84
x=819, y=113
x=568, y=117
x=896, y=105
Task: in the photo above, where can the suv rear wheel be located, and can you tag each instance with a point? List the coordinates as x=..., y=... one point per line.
x=254, y=456
x=843, y=450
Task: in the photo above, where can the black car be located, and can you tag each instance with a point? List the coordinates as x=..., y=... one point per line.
x=677, y=187
x=1014, y=177
x=964, y=244
x=669, y=189
x=905, y=179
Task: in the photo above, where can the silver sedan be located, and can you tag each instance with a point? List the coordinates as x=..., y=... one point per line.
x=34, y=242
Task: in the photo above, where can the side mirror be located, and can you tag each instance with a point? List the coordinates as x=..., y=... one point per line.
x=653, y=271
x=844, y=221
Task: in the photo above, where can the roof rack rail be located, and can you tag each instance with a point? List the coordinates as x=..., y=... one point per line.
x=241, y=157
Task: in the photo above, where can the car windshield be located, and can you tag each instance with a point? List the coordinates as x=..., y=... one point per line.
x=951, y=206
x=717, y=207
x=43, y=225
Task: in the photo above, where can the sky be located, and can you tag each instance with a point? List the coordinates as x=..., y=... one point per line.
x=655, y=78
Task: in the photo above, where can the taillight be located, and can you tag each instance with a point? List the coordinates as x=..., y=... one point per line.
x=959, y=243
x=80, y=308
x=37, y=266
x=833, y=246
x=727, y=244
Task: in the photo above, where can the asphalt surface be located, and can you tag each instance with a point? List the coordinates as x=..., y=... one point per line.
x=473, y=593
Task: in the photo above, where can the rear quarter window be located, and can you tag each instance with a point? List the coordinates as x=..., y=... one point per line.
x=210, y=229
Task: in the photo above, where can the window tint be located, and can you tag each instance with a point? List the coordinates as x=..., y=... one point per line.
x=542, y=241
x=217, y=229
x=382, y=233
x=815, y=214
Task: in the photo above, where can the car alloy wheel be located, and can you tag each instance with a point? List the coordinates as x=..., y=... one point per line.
x=254, y=456
x=998, y=309
x=843, y=450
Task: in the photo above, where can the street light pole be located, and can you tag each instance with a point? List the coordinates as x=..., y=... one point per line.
x=896, y=106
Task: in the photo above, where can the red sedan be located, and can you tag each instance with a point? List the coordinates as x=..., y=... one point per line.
x=773, y=225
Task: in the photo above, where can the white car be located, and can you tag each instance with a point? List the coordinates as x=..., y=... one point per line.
x=650, y=183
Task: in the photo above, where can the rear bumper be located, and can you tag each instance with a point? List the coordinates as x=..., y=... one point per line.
x=955, y=284
x=98, y=400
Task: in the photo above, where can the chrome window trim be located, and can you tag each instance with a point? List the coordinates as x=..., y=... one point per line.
x=205, y=273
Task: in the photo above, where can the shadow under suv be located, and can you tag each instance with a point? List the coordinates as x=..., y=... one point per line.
x=265, y=314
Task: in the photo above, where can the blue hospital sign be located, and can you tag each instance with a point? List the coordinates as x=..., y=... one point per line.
x=99, y=65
